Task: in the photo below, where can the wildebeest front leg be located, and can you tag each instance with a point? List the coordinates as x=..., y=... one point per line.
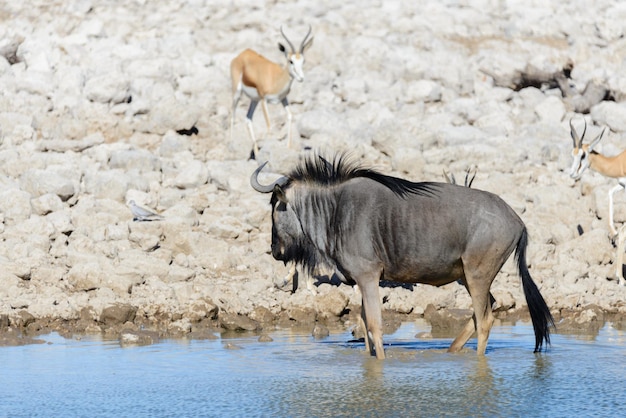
x=372, y=316
x=362, y=323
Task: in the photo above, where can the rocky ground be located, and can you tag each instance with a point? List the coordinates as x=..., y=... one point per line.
x=102, y=102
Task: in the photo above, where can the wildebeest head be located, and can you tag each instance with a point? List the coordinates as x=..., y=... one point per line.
x=288, y=238
x=303, y=203
x=290, y=203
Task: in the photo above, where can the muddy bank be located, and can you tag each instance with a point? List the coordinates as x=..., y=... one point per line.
x=120, y=323
x=103, y=103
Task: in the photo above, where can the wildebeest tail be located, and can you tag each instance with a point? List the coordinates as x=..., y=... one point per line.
x=539, y=311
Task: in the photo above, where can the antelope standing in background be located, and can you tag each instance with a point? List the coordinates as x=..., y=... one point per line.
x=470, y=175
x=266, y=81
x=586, y=157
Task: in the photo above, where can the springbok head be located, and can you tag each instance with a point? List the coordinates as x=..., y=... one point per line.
x=295, y=58
x=581, y=151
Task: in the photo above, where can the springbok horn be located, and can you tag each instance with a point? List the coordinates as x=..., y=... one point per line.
x=304, y=40
x=596, y=140
x=293, y=50
x=578, y=141
x=449, y=178
x=470, y=175
x=254, y=182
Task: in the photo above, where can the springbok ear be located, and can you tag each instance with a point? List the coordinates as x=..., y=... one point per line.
x=280, y=194
x=283, y=49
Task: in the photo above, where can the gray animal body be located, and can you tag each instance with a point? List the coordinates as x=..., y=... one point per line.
x=371, y=226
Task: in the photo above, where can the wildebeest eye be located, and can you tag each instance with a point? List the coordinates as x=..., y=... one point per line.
x=281, y=207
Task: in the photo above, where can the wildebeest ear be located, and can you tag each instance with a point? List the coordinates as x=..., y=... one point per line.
x=280, y=194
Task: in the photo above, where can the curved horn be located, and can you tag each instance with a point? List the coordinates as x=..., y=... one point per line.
x=304, y=41
x=578, y=141
x=470, y=175
x=293, y=50
x=254, y=182
x=449, y=177
x=596, y=140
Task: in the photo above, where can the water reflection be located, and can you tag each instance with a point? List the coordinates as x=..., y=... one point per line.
x=484, y=393
x=542, y=369
x=297, y=375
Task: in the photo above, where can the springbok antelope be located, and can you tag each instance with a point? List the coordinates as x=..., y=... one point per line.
x=470, y=175
x=292, y=275
x=266, y=81
x=586, y=157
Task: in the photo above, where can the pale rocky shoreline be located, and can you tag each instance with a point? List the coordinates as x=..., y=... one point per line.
x=103, y=102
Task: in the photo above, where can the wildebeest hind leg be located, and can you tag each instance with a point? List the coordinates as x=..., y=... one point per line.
x=464, y=336
x=467, y=331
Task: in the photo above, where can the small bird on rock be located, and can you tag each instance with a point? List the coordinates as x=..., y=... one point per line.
x=143, y=214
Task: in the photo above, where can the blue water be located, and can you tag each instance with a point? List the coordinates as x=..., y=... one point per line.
x=297, y=375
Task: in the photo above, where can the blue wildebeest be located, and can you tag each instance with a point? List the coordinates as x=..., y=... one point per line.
x=370, y=226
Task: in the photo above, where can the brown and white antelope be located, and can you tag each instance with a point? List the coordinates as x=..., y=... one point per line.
x=470, y=175
x=585, y=157
x=265, y=81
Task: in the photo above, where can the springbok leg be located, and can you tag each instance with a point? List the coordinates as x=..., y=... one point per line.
x=611, y=222
x=285, y=103
x=251, y=110
x=266, y=114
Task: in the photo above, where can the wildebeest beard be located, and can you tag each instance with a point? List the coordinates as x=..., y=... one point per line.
x=302, y=253
x=299, y=247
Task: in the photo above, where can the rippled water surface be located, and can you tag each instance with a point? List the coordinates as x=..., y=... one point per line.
x=296, y=375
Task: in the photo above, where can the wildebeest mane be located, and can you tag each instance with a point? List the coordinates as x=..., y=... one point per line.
x=315, y=169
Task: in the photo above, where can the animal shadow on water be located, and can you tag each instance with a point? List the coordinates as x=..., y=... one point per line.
x=402, y=347
x=436, y=344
